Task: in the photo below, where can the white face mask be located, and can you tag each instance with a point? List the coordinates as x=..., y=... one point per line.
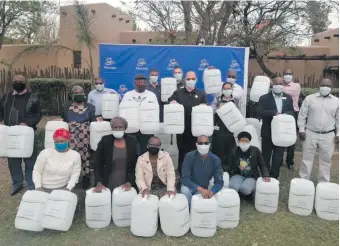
x=288, y=78
x=99, y=87
x=231, y=80
x=190, y=84
x=118, y=134
x=227, y=93
x=153, y=79
x=277, y=89
x=203, y=149
x=325, y=90
x=244, y=146
x=178, y=76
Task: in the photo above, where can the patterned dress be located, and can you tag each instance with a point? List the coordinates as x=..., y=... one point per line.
x=157, y=186
x=79, y=127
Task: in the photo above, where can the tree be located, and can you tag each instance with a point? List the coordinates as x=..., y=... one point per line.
x=21, y=19
x=317, y=15
x=263, y=26
x=84, y=34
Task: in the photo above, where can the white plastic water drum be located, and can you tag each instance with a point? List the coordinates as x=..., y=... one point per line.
x=129, y=110
x=3, y=140
x=121, y=206
x=110, y=106
x=202, y=121
x=51, y=127
x=174, y=215
x=259, y=88
x=212, y=81
x=149, y=118
x=228, y=210
x=301, y=196
x=165, y=138
x=327, y=201
x=20, y=142
x=172, y=149
x=283, y=130
x=168, y=87
x=98, y=129
x=173, y=118
x=267, y=195
x=256, y=123
x=59, y=210
x=31, y=210
x=226, y=179
x=203, y=216
x=144, y=216
x=231, y=117
x=255, y=140
x=98, y=208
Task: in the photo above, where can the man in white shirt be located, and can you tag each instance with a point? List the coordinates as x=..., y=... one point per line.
x=95, y=97
x=238, y=92
x=141, y=95
x=318, y=123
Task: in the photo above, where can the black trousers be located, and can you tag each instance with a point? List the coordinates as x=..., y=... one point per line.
x=186, y=142
x=222, y=146
x=269, y=150
x=142, y=140
x=291, y=149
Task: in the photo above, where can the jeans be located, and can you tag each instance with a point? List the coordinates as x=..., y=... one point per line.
x=241, y=184
x=188, y=193
x=14, y=165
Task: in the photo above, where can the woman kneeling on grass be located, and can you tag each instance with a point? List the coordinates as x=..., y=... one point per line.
x=59, y=167
x=155, y=172
x=246, y=162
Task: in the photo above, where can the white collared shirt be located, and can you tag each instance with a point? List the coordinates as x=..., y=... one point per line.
x=319, y=114
x=278, y=102
x=95, y=98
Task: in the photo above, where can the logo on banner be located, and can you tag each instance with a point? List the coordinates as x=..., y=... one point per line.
x=109, y=64
x=234, y=66
x=204, y=64
x=172, y=64
x=122, y=89
x=141, y=64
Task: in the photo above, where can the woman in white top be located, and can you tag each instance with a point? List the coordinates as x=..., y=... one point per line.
x=59, y=167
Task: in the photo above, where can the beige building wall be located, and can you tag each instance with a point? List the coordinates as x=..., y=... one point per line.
x=110, y=25
x=38, y=60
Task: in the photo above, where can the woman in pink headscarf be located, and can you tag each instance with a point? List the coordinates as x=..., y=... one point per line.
x=58, y=167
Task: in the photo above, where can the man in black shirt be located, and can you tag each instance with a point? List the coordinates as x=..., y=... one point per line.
x=20, y=107
x=189, y=96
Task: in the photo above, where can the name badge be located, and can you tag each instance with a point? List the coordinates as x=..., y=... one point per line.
x=217, y=128
x=284, y=98
x=196, y=96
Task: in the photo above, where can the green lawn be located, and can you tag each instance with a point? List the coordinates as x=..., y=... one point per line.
x=255, y=229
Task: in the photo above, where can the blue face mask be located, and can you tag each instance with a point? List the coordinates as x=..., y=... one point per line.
x=60, y=147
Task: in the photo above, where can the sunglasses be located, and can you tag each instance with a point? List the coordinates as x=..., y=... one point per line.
x=232, y=76
x=203, y=143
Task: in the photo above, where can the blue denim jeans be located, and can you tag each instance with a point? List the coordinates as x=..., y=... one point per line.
x=241, y=184
x=188, y=193
x=14, y=165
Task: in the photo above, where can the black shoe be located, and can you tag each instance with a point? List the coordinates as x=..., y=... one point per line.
x=16, y=190
x=290, y=167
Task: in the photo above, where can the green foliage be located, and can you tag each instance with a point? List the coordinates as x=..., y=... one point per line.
x=54, y=93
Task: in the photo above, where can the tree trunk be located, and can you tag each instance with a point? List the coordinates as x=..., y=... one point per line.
x=263, y=66
x=91, y=64
x=187, y=5
x=228, y=8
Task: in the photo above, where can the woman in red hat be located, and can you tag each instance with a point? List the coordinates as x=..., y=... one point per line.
x=58, y=167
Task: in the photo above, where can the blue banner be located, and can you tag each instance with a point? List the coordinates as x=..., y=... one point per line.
x=120, y=63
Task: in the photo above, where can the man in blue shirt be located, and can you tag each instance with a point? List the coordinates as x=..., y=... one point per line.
x=199, y=167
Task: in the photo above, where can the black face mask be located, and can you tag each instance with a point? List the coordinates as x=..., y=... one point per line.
x=153, y=150
x=79, y=98
x=19, y=86
x=140, y=88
